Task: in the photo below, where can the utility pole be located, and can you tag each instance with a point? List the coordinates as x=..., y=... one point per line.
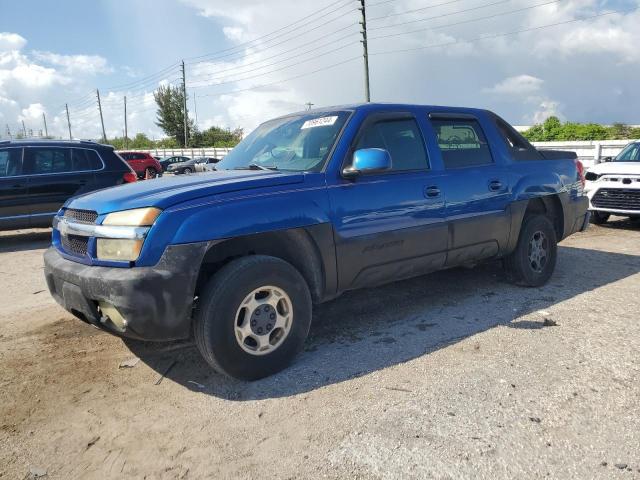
x=186, y=115
x=126, y=133
x=104, y=134
x=309, y=105
x=195, y=107
x=44, y=119
x=363, y=22
x=24, y=130
x=68, y=121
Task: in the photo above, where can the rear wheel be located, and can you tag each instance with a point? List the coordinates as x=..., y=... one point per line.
x=599, y=218
x=532, y=263
x=150, y=173
x=253, y=317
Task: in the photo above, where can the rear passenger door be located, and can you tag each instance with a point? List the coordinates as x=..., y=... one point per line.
x=14, y=208
x=55, y=175
x=389, y=225
x=477, y=189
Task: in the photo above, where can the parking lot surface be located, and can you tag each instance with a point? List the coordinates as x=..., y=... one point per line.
x=453, y=375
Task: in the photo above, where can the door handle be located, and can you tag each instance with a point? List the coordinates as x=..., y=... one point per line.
x=495, y=185
x=432, y=191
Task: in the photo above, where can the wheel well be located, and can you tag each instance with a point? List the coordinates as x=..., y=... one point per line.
x=551, y=206
x=294, y=246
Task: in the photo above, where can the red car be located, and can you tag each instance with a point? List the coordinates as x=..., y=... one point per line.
x=142, y=163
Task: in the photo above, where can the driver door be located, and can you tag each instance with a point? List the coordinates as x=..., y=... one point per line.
x=389, y=225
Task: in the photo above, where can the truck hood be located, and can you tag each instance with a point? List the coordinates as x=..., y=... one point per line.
x=616, y=168
x=165, y=192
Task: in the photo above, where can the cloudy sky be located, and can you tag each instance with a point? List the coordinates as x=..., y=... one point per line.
x=249, y=60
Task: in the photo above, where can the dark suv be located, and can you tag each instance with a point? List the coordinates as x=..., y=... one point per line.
x=37, y=177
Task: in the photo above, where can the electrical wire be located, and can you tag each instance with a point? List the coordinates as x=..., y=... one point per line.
x=237, y=79
x=472, y=20
x=479, y=7
x=498, y=35
x=256, y=87
x=255, y=40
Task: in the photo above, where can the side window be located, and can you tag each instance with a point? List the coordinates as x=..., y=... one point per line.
x=518, y=146
x=10, y=159
x=401, y=138
x=140, y=156
x=127, y=156
x=85, y=160
x=48, y=160
x=462, y=143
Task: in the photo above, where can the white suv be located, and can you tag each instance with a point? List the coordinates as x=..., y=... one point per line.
x=613, y=187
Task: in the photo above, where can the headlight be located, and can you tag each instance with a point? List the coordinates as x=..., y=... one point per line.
x=592, y=177
x=138, y=217
x=128, y=229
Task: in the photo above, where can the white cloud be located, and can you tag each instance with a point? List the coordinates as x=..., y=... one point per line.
x=517, y=85
x=75, y=64
x=11, y=41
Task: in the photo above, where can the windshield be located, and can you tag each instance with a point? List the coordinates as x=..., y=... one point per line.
x=298, y=143
x=631, y=153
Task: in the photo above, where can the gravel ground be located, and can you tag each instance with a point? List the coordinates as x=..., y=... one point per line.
x=453, y=375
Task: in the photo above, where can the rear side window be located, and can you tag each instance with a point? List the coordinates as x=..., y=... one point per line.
x=519, y=147
x=401, y=138
x=85, y=160
x=462, y=143
x=48, y=160
x=10, y=160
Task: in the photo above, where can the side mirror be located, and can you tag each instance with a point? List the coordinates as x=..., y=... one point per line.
x=607, y=159
x=367, y=161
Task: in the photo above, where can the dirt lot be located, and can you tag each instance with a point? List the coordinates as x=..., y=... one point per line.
x=453, y=375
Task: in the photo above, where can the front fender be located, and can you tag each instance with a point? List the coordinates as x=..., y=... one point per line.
x=238, y=214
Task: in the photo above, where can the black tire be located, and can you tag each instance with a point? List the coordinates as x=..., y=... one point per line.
x=218, y=304
x=520, y=267
x=187, y=171
x=599, y=218
x=150, y=173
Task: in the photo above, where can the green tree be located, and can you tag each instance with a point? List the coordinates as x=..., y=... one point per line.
x=217, y=137
x=170, y=114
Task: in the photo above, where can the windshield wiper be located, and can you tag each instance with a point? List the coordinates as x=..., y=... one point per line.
x=255, y=166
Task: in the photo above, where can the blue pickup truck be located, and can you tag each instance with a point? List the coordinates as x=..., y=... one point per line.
x=307, y=206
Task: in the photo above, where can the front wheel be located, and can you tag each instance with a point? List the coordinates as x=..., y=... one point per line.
x=599, y=218
x=253, y=317
x=533, y=261
x=187, y=171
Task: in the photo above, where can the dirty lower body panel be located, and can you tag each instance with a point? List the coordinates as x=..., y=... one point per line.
x=147, y=303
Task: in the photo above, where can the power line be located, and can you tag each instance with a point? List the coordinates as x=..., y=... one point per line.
x=499, y=2
x=249, y=42
x=498, y=35
x=255, y=87
x=314, y=41
x=286, y=39
x=234, y=80
x=466, y=21
x=414, y=10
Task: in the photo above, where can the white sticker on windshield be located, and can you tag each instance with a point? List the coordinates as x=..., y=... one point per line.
x=319, y=122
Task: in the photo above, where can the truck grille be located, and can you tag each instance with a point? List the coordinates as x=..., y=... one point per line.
x=617, y=199
x=81, y=216
x=75, y=244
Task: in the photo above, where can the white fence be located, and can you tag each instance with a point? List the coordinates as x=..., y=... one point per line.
x=589, y=152
x=217, y=152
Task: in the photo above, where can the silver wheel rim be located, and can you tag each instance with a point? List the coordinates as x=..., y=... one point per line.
x=263, y=320
x=538, y=251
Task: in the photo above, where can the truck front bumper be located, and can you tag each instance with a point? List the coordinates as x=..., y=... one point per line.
x=146, y=303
